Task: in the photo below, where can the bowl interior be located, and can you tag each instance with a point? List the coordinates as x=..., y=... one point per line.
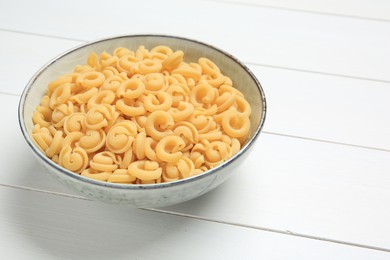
x=242, y=78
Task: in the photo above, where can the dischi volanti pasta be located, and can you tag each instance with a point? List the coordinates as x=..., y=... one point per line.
x=140, y=117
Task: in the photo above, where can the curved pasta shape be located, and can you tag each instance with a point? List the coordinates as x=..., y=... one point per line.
x=243, y=107
x=147, y=66
x=107, y=60
x=203, y=95
x=60, y=95
x=55, y=144
x=217, y=153
x=126, y=64
x=150, y=149
x=104, y=162
x=188, y=72
x=183, y=111
x=61, y=112
x=112, y=83
x=211, y=136
x=228, y=88
x=163, y=102
x=161, y=49
x=93, y=60
x=179, y=92
x=122, y=51
x=142, y=53
x=75, y=123
x=159, y=124
x=121, y=176
x=202, y=123
x=130, y=108
x=42, y=116
x=127, y=158
x=208, y=66
x=96, y=175
x=155, y=83
x=214, y=80
x=235, y=125
x=145, y=170
x=98, y=116
x=102, y=97
x=42, y=137
x=139, y=146
x=75, y=160
x=90, y=79
x=93, y=140
x=140, y=122
x=131, y=89
x=169, y=148
x=66, y=79
x=182, y=168
x=121, y=136
x=83, y=97
x=225, y=101
x=71, y=139
x=188, y=133
x=173, y=60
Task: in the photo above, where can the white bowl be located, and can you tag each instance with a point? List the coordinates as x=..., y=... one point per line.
x=146, y=195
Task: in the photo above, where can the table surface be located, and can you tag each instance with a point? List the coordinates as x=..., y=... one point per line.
x=317, y=184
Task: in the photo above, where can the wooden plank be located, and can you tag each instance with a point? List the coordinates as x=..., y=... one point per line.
x=338, y=45
x=365, y=9
x=301, y=104
x=302, y=186
x=43, y=226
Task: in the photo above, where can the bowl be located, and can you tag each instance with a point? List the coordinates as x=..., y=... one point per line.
x=145, y=195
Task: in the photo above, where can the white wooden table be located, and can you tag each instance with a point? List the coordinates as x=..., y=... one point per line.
x=317, y=185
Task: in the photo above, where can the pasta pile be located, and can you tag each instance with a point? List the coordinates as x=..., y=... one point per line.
x=141, y=117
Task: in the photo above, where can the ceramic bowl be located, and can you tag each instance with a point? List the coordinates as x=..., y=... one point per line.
x=147, y=195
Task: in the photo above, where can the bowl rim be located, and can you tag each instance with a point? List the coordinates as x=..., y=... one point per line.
x=123, y=186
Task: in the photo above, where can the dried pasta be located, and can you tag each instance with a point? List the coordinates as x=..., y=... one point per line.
x=141, y=117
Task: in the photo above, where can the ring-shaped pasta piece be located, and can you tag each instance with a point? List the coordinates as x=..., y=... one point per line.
x=202, y=123
x=121, y=176
x=163, y=49
x=217, y=153
x=102, y=97
x=188, y=72
x=75, y=123
x=188, y=133
x=98, y=116
x=126, y=63
x=155, y=83
x=107, y=60
x=122, y=51
x=142, y=53
x=145, y=170
x=72, y=139
x=96, y=175
x=149, y=66
x=131, y=89
x=242, y=106
x=104, y=162
x=130, y=108
x=208, y=67
x=163, y=102
x=83, y=97
x=173, y=60
x=75, y=160
x=139, y=146
x=211, y=136
x=183, y=111
x=61, y=112
x=60, y=95
x=127, y=158
x=228, y=88
x=93, y=140
x=179, y=92
x=42, y=137
x=55, y=144
x=42, y=116
x=112, y=83
x=58, y=82
x=203, y=95
x=159, y=124
x=93, y=60
x=150, y=149
x=225, y=101
x=235, y=125
x=169, y=148
x=182, y=168
x=121, y=136
x=90, y=79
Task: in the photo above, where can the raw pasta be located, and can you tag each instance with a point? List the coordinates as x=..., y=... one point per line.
x=141, y=117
